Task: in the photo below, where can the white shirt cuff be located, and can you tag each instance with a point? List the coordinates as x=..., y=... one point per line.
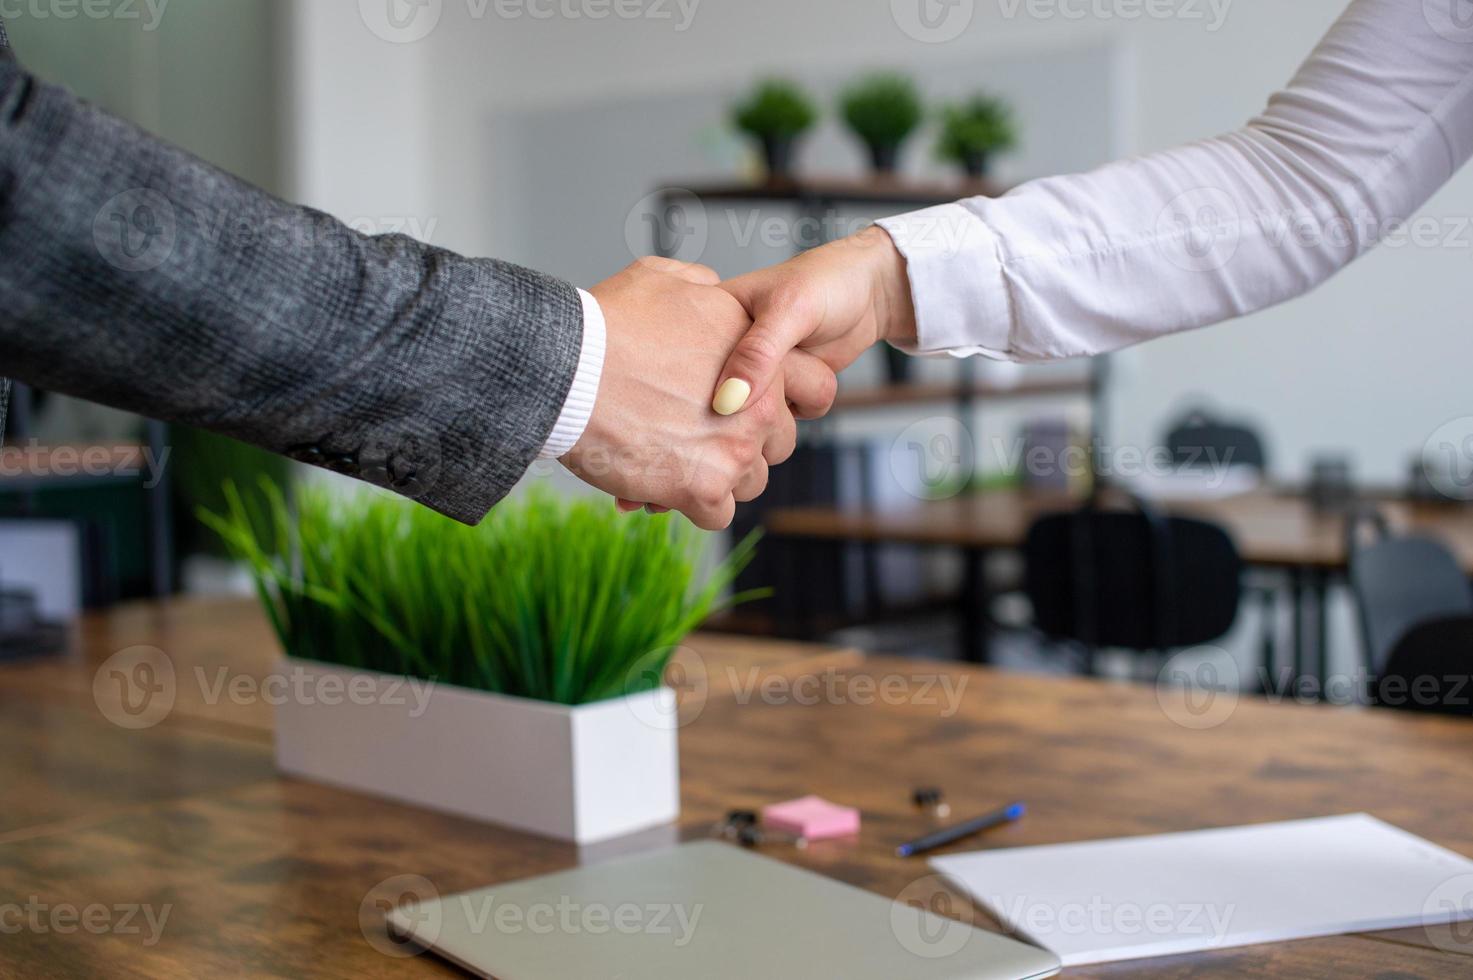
x=578, y=407
x=956, y=282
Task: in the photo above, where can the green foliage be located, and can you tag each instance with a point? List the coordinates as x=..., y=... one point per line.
x=200, y=463
x=777, y=108
x=882, y=109
x=982, y=124
x=556, y=600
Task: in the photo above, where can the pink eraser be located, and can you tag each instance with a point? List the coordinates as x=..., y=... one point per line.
x=812, y=817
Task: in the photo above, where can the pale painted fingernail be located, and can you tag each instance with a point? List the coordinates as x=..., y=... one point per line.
x=731, y=396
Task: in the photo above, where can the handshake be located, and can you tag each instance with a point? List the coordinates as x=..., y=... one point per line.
x=703, y=381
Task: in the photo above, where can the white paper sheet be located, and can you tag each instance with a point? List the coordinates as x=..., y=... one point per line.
x=1132, y=897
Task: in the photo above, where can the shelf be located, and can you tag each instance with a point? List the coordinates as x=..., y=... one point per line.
x=882, y=396
x=844, y=190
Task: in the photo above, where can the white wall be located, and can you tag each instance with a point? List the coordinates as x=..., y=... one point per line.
x=359, y=145
x=202, y=73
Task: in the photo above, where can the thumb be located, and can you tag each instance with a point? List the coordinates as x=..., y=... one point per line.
x=758, y=358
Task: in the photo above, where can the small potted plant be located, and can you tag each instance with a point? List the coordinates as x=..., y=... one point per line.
x=882, y=109
x=973, y=131
x=776, y=114
x=510, y=672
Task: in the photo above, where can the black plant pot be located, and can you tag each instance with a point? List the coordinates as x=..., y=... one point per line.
x=897, y=365
x=883, y=157
x=976, y=163
x=777, y=153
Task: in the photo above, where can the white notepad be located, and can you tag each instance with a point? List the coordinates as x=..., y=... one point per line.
x=1097, y=901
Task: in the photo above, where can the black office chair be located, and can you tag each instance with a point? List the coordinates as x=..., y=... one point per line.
x=1130, y=578
x=1402, y=584
x=1200, y=440
x=1429, y=669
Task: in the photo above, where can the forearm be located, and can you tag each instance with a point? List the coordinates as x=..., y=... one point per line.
x=1375, y=121
x=135, y=275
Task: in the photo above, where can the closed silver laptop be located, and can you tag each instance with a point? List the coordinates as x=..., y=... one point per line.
x=705, y=910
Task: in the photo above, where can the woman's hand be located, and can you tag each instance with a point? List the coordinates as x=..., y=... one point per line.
x=652, y=437
x=835, y=302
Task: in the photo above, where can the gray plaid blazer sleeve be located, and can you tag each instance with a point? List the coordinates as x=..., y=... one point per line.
x=134, y=274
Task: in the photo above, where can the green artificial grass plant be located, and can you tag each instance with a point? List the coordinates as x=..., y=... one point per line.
x=557, y=600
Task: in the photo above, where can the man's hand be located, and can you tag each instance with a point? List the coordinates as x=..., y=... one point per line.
x=835, y=302
x=652, y=437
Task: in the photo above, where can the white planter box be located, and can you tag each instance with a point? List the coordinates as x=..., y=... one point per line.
x=584, y=774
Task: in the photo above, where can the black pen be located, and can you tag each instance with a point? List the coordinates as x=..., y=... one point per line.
x=946, y=835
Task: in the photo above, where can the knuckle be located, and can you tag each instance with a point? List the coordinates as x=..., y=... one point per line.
x=828, y=389
x=759, y=349
x=758, y=483
x=765, y=414
x=711, y=493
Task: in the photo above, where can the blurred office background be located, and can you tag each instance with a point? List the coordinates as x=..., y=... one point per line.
x=542, y=132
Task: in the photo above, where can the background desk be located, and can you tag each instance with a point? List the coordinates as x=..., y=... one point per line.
x=266, y=875
x=1272, y=530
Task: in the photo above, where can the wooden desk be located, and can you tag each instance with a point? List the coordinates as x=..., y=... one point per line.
x=1274, y=530
x=1271, y=529
x=265, y=876
x=917, y=393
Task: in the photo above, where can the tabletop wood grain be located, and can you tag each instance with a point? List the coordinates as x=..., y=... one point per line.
x=248, y=874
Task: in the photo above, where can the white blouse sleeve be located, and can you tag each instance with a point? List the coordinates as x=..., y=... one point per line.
x=1377, y=119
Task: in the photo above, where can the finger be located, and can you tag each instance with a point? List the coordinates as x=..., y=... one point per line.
x=656, y=509
x=751, y=485
x=779, y=325
x=626, y=506
x=781, y=442
x=712, y=517
x=689, y=271
x=809, y=385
